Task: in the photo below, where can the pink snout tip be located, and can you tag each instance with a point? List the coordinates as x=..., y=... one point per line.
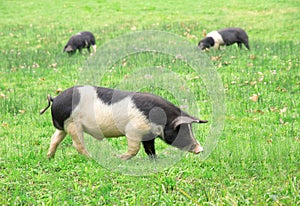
x=198, y=149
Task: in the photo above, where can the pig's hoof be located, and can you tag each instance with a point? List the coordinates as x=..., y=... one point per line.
x=125, y=156
x=84, y=153
x=152, y=157
x=87, y=155
x=50, y=156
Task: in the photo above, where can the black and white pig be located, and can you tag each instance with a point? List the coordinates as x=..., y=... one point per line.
x=79, y=41
x=104, y=112
x=227, y=36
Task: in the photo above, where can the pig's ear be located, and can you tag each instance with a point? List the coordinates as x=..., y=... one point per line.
x=158, y=116
x=186, y=120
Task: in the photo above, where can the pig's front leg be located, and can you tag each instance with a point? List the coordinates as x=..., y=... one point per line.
x=217, y=46
x=133, y=148
x=89, y=49
x=149, y=148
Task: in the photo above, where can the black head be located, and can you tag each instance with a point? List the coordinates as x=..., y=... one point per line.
x=69, y=49
x=206, y=43
x=179, y=134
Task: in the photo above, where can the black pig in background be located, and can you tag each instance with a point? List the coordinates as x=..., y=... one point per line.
x=227, y=36
x=79, y=41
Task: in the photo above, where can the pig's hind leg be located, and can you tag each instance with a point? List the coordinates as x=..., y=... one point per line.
x=56, y=139
x=240, y=45
x=247, y=45
x=94, y=47
x=245, y=42
x=76, y=132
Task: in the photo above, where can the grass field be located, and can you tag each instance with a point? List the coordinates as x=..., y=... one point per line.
x=257, y=158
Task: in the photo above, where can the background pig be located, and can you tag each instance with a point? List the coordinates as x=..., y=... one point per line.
x=226, y=37
x=103, y=112
x=79, y=41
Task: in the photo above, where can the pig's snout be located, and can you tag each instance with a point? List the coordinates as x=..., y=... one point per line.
x=200, y=46
x=197, y=149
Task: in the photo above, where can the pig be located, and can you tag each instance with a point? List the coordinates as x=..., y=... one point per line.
x=227, y=36
x=79, y=41
x=104, y=112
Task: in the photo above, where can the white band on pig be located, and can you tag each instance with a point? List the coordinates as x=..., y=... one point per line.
x=217, y=37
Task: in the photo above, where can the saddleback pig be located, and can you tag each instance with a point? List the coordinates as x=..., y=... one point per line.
x=104, y=112
x=79, y=41
x=226, y=37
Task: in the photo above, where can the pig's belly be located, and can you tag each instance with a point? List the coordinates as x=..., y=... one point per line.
x=108, y=128
x=101, y=131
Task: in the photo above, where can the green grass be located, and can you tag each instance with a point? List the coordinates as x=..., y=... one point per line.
x=256, y=161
